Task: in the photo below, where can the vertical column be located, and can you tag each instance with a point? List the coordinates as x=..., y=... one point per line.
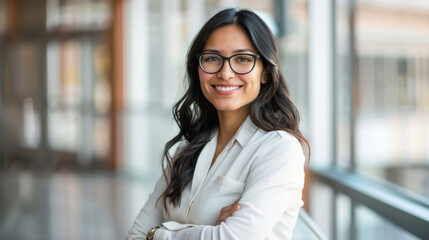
x=321, y=82
x=354, y=101
x=4, y=10
x=44, y=159
x=116, y=85
x=334, y=117
x=137, y=86
x=354, y=86
x=321, y=107
x=44, y=156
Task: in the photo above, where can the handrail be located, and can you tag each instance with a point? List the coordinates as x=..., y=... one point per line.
x=391, y=205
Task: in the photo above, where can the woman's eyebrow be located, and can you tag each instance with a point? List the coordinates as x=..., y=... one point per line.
x=212, y=51
x=235, y=51
x=244, y=50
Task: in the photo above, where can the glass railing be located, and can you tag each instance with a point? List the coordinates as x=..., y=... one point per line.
x=307, y=229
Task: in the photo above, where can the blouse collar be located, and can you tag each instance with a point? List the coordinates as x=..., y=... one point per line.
x=245, y=132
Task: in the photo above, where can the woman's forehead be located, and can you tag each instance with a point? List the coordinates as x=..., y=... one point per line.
x=229, y=39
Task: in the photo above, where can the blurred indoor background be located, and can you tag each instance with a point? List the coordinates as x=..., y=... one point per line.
x=87, y=87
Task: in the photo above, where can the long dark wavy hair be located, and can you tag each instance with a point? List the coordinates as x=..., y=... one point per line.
x=197, y=117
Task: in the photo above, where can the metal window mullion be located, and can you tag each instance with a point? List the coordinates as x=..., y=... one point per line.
x=333, y=42
x=352, y=232
x=353, y=86
x=281, y=15
x=44, y=157
x=334, y=134
x=2, y=58
x=334, y=212
x=86, y=106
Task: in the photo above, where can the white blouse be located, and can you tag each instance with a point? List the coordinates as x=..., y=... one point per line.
x=265, y=169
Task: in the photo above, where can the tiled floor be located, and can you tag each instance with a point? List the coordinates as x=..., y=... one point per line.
x=76, y=206
x=68, y=205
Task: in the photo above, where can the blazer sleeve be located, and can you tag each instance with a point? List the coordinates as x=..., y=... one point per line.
x=273, y=188
x=151, y=214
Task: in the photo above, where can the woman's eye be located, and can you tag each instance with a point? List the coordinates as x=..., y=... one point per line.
x=211, y=59
x=244, y=59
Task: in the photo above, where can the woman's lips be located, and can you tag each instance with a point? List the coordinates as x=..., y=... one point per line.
x=226, y=89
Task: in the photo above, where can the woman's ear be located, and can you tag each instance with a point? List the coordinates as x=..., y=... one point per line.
x=264, y=78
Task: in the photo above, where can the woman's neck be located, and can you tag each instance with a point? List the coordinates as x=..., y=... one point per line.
x=229, y=123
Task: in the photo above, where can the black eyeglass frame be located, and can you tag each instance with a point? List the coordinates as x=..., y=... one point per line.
x=199, y=57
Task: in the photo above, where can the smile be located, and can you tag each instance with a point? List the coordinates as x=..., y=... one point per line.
x=226, y=89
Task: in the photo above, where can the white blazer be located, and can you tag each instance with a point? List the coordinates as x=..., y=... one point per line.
x=265, y=169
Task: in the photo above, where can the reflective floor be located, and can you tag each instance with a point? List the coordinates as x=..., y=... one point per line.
x=70, y=206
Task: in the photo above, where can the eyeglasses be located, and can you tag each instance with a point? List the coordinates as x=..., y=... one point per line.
x=239, y=63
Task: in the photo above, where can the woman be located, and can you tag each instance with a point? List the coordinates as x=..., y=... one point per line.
x=238, y=171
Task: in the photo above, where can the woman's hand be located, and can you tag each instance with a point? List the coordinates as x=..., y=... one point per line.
x=227, y=211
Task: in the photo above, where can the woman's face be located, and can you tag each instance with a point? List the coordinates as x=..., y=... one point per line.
x=227, y=90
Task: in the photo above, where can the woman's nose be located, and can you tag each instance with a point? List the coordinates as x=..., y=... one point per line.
x=226, y=71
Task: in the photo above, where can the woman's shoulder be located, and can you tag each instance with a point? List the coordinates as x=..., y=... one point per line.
x=276, y=149
x=277, y=136
x=278, y=142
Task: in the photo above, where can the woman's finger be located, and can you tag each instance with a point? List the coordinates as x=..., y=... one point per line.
x=227, y=211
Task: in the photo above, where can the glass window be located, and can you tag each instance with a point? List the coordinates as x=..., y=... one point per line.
x=321, y=207
x=343, y=83
x=79, y=97
x=64, y=89
x=369, y=225
x=77, y=14
x=22, y=100
x=380, y=118
x=56, y=81
x=392, y=110
x=293, y=53
x=343, y=217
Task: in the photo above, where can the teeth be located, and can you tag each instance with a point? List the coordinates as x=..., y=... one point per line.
x=226, y=88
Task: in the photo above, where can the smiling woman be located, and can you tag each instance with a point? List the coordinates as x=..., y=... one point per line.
x=238, y=171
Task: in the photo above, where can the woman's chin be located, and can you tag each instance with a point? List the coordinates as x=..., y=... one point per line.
x=225, y=109
x=231, y=108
